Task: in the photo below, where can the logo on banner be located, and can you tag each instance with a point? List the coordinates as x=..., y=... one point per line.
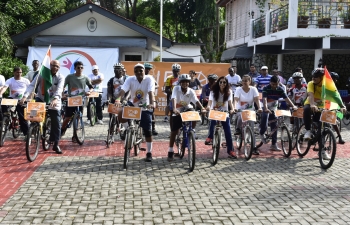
x=68, y=58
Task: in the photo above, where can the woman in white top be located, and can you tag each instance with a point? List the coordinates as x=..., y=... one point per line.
x=245, y=97
x=219, y=99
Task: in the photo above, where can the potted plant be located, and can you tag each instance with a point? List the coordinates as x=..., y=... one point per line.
x=303, y=15
x=259, y=27
x=345, y=16
x=282, y=22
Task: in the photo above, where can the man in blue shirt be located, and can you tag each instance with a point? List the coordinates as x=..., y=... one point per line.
x=253, y=73
x=271, y=93
x=262, y=80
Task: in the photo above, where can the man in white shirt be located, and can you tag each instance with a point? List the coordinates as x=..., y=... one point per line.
x=141, y=89
x=31, y=74
x=18, y=85
x=233, y=79
x=96, y=79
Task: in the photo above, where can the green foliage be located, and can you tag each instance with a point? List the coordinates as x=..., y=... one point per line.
x=8, y=63
x=261, y=4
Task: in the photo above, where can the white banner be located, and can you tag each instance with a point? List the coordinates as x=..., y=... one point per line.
x=104, y=58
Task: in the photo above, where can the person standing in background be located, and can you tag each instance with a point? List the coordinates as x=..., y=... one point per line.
x=96, y=80
x=32, y=74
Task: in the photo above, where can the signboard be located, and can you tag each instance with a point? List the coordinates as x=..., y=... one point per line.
x=299, y=113
x=131, y=113
x=248, y=115
x=75, y=101
x=9, y=101
x=328, y=117
x=113, y=109
x=217, y=115
x=190, y=116
x=283, y=113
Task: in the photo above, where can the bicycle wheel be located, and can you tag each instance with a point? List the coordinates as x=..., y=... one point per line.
x=16, y=128
x=138, y=141
x=92, y=114
x=4, y=128
x=191, y=151
x=46, y=134
x=303, y=147
x=286, y=141
x=110, y=134
x=33, y=142
x=239, y=138
x=346, y=118
x=127, y=148
x=179, y=144
x=78, y=128
x=248, y=142
x=216, y=145
x=327, y=152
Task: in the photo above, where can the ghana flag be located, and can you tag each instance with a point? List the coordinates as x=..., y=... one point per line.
x=330, y=94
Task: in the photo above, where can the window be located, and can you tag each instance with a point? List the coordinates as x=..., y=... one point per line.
x=130, y=57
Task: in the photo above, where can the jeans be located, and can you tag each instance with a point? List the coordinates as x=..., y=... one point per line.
x=22, y=122
x=265, y=117
x=307, y=116
x=227, y=131
x=239, y=122
x=98, y=102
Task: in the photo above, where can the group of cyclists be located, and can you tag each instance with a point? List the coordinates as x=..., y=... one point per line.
x=260, y=92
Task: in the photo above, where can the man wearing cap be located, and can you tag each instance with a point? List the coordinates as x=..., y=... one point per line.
x=96, y=79
x=262, y=80
x=141, y=89
x=148, y=68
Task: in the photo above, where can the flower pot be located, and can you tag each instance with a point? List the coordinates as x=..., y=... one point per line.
x=324, y=23
x=260, y=33
x=303, y=21
x=347, y=24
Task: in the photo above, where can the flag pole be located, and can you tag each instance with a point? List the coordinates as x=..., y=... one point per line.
x=37, y=76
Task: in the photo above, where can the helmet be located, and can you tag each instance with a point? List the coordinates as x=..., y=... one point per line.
x=334, y=76
x=118, y=65
x=212, y=77
x=176, y=66
x=148, y=66
x=184, y=77
x=318, y=72
x=297, y=75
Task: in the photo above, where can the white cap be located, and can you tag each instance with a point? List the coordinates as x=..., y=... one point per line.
x=94, y=67
x=139, y=65
x=264, y=68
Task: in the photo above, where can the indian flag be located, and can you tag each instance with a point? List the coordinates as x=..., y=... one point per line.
x=330, y=94
x=45, y=72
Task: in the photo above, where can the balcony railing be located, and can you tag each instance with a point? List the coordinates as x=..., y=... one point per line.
x=279, y=19
x=259, y=26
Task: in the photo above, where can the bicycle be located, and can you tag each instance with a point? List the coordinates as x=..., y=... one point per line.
x=37, y=115
x=91, y=104
x=246, y=137
x=78, y=123
x=286, y=141
x=10, y=121
x=298, y=122
x=186, y=139
x=321, y=137
x=133, y=137
x=114, y=127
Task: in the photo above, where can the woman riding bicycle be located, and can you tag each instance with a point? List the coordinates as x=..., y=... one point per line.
x=219, y=99
x=181, y=98
x=245, y=97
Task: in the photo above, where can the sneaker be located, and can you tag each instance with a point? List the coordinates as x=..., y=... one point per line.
x=165, y=119
x=87, y=121
x=325, y=156
x=170, y=156
x=232, y=155
x=291, y=127
x=341, y=141
x=208, y=141
x=99, y=121
x=262, y=138
x=154, y=132
x=149, y=157
x=307, y=135
x=275, y=148
x=255, y=152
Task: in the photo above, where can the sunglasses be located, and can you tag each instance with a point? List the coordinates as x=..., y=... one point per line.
x=138, y=71
x=80, y=67
x=222, y=82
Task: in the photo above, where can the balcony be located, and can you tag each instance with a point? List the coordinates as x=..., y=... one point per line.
x=302, y=18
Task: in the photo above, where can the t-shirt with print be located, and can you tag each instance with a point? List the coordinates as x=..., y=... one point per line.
x=298, y=96
x=183, y=100
x=219, y=104
x=246, y=99
x=97, y=87
x=139, y=91
x=317, y=90
x=235, y=79
x=77, y=84
x=171, y=82
x=273, y=96
x=262, y=81
x=17, y=87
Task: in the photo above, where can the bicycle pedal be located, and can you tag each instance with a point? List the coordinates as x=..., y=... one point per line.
x=142, y=149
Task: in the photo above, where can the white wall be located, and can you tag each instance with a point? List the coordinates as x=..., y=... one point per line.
x=187, y=51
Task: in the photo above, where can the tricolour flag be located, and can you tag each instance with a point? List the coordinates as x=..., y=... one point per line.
x=330, y=94
x=45, y=72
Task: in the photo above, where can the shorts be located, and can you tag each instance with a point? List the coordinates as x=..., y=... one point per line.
x=146, y=119
x=176, y=121
x=70, y=111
